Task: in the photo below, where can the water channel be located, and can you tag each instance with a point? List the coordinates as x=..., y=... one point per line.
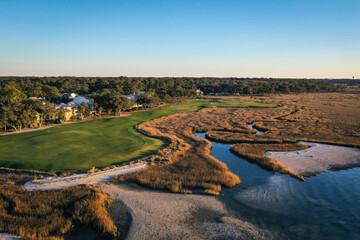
x=325, y=206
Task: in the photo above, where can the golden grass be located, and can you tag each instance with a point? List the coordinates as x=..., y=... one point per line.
x=231, y=137
x=35, y=215
x=187, y=164
x=256, y=153
x=332, y=118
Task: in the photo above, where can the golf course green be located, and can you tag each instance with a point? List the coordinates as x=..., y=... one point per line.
x=98, y=143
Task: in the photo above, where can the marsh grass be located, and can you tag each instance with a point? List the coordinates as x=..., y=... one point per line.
x=36, y=215
x=187, y=163
x=256, y=153
x=233, y=137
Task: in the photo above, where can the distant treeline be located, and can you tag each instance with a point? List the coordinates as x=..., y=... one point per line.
x=166, y=88
x=19, y=109
x=349, y=82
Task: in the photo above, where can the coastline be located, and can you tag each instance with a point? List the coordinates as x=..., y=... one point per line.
x=160, y=214
x=163, y=215
x=8, y=236
x=318, y=158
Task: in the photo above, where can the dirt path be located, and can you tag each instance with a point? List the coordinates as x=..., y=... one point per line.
x=84, y=178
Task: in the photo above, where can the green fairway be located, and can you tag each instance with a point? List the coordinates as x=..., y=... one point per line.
x=97, y=143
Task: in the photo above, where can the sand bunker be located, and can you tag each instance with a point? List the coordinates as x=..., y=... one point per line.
x=318, y=158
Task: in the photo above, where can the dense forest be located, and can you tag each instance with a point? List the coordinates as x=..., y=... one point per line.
x=173, y=87
x=19, y=109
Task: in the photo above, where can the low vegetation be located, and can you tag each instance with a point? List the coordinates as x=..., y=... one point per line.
x=187, y=162
x=34, y=215
x=256, y=153
x=98, y=143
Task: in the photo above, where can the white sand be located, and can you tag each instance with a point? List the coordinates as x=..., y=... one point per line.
x=318, y=158
x=85, y=178
x=6, y=236
x=163, y=215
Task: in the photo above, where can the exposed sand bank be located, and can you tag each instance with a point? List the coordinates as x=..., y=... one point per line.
x=84, y=178
x=163, y=215
x=158, y=214
x=318, y=158
x=6, y=236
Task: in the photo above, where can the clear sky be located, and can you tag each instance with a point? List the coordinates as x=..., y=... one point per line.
x=244, y=38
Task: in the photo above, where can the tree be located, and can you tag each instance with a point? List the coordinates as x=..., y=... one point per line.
x=100, y=109
x=60, y=114
x=149, y=100
x=50, y=92
x=119, y=103
x=4, y=109
x=10, y=93
x=14, y=113
x=45, y=109
x=84, y=110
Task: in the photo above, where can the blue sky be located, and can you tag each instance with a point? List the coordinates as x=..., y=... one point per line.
x=252, y=38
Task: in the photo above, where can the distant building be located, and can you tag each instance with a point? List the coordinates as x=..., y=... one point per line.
x=80, y=100
x=199, y=92
x=221, y=94
x=134, y=97
x=71, y=108
x=69, y=95
x=37, y=98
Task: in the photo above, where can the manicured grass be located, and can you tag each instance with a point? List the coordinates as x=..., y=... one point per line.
x=97, y=143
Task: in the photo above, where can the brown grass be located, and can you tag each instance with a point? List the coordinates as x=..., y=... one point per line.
x=187, y=164
x=332, y=118
x=256, y=153
x=231, y=137
x=35, y=215
x=191, y=164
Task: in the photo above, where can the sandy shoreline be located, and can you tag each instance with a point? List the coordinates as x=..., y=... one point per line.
x=83, y=178
x=159, y=214
x=318, y=158
x=163, y=215
x=7, y=236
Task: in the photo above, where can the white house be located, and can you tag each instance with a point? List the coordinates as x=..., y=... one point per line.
x=70, y=108
x=199, y=92
x=69, y=95
x=80, y=100
x=133, y=97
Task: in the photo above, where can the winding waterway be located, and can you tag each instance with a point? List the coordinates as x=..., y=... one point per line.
x=325, y=206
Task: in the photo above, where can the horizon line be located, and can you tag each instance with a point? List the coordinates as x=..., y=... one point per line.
x=120, y=76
